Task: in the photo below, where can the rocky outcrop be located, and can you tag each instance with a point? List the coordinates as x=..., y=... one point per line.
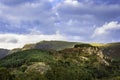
x=39, y=67
x=85, y=52
x=98, y=52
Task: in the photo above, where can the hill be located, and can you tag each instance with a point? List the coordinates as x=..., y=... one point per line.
x=79, y=61
x=43, y=45
x=50, y=45
x=3, y=53
x=112, y=50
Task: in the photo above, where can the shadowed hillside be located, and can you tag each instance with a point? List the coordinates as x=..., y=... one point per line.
x=3, y=53
x=113, y=50
x=50, y=45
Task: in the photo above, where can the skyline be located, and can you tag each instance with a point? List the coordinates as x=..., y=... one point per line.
x=31, y=21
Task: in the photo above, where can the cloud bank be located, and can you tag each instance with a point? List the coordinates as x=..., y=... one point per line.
x=76, y=20
x=11, y=41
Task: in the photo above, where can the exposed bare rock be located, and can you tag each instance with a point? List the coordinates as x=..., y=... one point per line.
x=39, y=67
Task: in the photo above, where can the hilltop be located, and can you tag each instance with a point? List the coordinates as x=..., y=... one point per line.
x=50, y=45
x=110, y=49
x=43, y=45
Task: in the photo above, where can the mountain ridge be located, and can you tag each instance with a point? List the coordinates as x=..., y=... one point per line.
x=78, y=61
x=60, y=45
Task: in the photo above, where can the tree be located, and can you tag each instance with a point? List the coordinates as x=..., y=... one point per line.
x=5, y=74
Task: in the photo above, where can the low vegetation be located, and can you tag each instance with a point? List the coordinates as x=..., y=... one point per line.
x=83, y=62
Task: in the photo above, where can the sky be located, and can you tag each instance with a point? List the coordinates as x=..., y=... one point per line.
x=30, y=21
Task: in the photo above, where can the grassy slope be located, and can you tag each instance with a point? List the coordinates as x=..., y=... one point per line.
x=55, y=45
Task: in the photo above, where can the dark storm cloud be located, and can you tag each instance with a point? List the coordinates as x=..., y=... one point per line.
x=104, y=12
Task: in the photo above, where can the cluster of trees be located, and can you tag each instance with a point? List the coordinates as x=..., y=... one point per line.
x=5, y=74
x=25, y=57
x=63, y=68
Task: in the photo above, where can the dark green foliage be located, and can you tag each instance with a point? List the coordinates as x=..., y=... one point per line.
x=5, y=74
x=25, y=57
x=64, y=65
x=68, y=73
x=30, y=76
x=23, y=68
x=82, y=45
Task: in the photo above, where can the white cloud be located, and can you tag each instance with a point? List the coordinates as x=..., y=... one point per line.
x=73, y=18
x=72, y=2
x=106, y=28
x=76, y=39
x=11, y=41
